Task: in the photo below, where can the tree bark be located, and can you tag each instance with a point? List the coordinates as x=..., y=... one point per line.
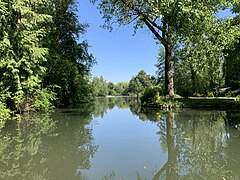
x=194, y=80
x=169, y=88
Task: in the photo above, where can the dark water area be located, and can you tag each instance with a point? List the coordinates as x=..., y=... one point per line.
x=114, y=138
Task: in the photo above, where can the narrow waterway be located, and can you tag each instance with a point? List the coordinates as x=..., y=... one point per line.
x=114, y=138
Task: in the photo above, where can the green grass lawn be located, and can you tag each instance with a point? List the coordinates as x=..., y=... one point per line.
x=211, y=102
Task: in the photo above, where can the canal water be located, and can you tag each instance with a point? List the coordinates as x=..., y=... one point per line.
x=114, y=138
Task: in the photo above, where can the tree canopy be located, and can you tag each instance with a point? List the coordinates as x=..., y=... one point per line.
x=231, y=65
x=171, y=22
x=45, y=62
x=139, y=83
x=42, y=61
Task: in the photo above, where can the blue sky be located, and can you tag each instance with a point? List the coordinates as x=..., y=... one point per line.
x=119, y=54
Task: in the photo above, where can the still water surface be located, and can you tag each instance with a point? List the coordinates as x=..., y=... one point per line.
x=115, y=139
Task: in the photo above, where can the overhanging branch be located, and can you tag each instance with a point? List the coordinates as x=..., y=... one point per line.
x=149, y=23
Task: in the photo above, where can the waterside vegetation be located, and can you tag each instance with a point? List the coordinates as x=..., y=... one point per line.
x=43, y=62
x=46, y=64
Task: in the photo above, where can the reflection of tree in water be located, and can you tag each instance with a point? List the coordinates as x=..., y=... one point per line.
x=20, y=149
x=199, y=144
x=233, y=121
x=145, y=113
x=109, y=176
x=203, y=144
x=102, y=105
x=70, y=153
x=171, y=166
x=165, y=121
x=59, y=147
x=56, y=146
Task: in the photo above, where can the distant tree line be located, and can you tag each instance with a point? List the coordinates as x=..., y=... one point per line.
x=135, y=87
x=102, y=88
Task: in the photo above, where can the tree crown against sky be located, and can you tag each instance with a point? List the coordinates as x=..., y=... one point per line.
x=170, y=22
x=42, y=62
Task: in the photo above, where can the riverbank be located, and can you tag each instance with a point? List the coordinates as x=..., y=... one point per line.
x=112, y=96
x=218, y=102
x=199, y=102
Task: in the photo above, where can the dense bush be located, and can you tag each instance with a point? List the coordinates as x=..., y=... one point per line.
x=112, y=92
x=43, y=99
x=151, y=96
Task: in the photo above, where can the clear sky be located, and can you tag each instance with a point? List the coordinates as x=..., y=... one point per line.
x=119, y=54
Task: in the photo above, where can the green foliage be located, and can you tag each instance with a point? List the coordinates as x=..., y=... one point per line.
x=194, y=102
x=44, y=99
x=151, y=96
x=4, y=113
x=40, y=49
x=135, y=87
x=202, y=59
x=208, y=102
x=112, y=92
x=231, y=64
x=22, y=51
x=177, y=96
x=111, y=89
x=69, y=62
x=202, y=56
x=175, y=22
x=121, y=88
x=139, y=83
x=160, y=65
x=100, y=86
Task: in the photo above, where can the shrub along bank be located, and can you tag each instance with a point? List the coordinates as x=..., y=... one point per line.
x=152, y=98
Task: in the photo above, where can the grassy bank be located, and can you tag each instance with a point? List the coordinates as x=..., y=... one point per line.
x=198, y=102
x=201, y=102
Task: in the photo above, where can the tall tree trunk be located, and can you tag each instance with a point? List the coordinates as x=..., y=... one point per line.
x=167, y=40
x=194, y=80
x=227, y=72
x=169, y=88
